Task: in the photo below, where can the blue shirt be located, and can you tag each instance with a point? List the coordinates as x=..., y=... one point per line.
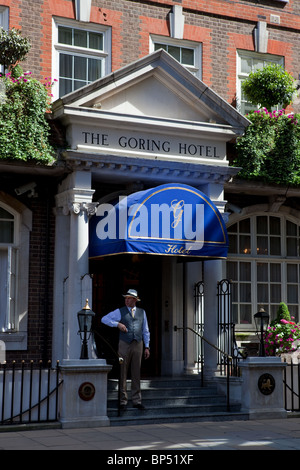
x=114, y=317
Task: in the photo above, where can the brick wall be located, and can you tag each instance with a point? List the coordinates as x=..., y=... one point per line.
x=222, y=26
x=41, y=266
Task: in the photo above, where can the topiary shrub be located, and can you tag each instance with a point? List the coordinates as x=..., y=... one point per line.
x=269, y=87
x=13, y=47
x=283, y=313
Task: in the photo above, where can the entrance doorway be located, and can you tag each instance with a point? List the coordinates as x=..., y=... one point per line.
x=112, y=277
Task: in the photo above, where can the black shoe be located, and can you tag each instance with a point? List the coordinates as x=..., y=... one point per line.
x=139, y=406
x=123, y=407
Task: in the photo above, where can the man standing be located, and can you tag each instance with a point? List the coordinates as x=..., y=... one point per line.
x=134, y=331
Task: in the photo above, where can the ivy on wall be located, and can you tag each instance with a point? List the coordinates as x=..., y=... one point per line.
x=24, y=102
x=269, y=150
x=25, y=131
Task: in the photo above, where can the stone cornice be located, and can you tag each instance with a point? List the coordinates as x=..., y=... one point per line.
x=106, y=167
x=260, y=189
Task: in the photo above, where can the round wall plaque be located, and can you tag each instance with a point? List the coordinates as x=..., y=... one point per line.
x=86, y=391
x=266, y=384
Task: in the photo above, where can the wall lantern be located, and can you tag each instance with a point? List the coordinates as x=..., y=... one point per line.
x=261, y=322
x=85, y=317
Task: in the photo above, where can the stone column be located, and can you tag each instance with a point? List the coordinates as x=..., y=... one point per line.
x=74, y=202
x=61, y=264
x=83, y=394
x=212, y=274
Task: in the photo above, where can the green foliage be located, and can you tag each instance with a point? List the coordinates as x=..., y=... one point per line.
x=13, y=47
x=270, y=86
x=283, y=313
x=24, y=128
x=269, y=150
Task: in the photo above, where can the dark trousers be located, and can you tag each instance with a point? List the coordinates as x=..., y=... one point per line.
x=132, y=355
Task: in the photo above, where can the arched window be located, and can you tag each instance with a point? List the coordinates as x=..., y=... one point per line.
x=264, y=266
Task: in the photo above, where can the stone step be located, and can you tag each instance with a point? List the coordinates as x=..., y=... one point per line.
x=179, y=418
x=151, y=402
x=171, y=409
x=161, y=382
x=174, y=399
x=156, y=392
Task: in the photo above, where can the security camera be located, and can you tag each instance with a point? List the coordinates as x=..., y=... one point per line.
x=26, y=188
x=233, y=208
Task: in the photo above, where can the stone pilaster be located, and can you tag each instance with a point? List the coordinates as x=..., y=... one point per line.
x=74, y=206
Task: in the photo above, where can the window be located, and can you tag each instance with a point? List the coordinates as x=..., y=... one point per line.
x=4, y=17
x=186, y=52
x=263, y=264
x=249, y=62
x=81, y=55
x=8, y=259
x=3, y=24
x=15, y=227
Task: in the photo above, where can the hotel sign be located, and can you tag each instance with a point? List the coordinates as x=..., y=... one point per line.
x=149, y=145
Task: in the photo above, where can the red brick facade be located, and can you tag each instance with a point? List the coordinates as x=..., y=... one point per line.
x=221, y=26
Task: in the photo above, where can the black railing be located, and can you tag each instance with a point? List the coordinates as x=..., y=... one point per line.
x=226, y=330
x=227, y=358
x=291, y=382
x=28, y=394
x=199, y=324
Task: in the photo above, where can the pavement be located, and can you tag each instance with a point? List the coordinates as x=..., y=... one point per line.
x=176, y=440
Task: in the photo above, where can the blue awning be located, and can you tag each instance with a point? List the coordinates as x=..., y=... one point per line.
x=171, y=219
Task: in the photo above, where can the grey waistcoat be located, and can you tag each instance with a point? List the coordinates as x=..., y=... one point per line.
x=133, y=325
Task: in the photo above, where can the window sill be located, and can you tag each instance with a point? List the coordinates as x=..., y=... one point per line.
x=14, y=340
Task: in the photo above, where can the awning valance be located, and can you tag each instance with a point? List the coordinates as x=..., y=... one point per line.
x=171, y=219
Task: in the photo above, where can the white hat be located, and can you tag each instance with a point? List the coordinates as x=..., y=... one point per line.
x=132, y=293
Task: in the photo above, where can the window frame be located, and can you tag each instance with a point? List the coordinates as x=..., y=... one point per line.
x=4, y=17
x=7, y=318
x=182, y=43
x=15, y=329
x=4, y=23
x=58, y=48
x=284, y=260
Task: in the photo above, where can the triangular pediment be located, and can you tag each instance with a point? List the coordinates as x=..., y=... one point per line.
x=152, y=97
x=158, y=87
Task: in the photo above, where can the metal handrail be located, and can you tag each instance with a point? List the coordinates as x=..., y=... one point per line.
x=218, y=349
x=202, y=337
